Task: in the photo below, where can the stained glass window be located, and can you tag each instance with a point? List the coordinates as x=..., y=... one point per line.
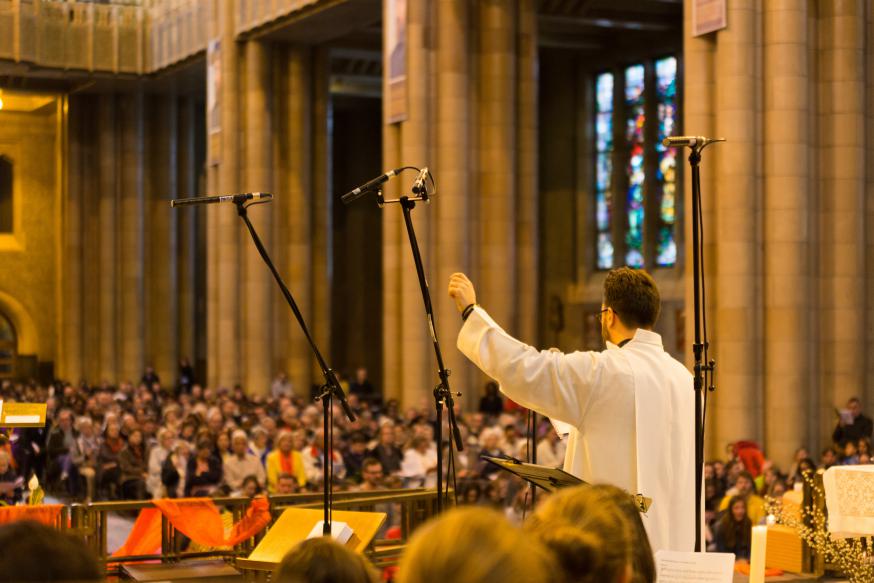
x=604, y=168
x=642, y=213
x=635, y=119
x=666, y=173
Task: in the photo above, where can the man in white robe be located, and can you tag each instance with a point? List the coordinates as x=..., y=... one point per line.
x=630, y=407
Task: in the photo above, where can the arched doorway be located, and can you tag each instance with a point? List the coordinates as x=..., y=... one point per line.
x=8, y=348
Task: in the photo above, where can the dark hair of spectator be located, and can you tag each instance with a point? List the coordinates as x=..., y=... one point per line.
x=322, y=560
x=30, y=551
x=634, y=296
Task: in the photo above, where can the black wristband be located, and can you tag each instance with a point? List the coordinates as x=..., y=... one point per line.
x=467, y=311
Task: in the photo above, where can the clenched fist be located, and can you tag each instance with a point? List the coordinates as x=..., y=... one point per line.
x=461, y=290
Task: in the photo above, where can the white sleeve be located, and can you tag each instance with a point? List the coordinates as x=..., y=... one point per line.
x=554, y=384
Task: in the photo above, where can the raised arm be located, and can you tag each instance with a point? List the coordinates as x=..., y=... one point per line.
x=555, y=384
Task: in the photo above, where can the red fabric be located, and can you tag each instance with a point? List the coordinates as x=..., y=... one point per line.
x=743, y=568
x=44, y=513
x=145, y=537
x=196, y=518
x=286, y=462
x=751, y=456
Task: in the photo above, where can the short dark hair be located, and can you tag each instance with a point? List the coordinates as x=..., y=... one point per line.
x=323, y=560
x=633, y=295
x=30, y=551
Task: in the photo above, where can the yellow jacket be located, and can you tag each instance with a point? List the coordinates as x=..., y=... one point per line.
x=274, y=468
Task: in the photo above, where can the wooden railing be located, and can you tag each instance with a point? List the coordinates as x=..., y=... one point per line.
x=91, y=522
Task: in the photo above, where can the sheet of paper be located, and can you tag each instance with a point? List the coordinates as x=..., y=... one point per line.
x=679, y=567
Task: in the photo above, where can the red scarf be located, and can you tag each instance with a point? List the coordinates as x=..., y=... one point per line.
x=286, y=462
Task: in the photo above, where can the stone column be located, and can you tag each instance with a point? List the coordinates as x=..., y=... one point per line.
x=738, y=313
x=298, y=212
x=842, y=155
x=392, y=322
x=320, y=320
x=72, y=268
x=257, y=284
x=162, y=301
x=527, y=289
x=786, y=203
x=868, y=397
x=131, y=290
x=109, y=262
x=228, y=228
x=451, y=165
x=418, y=376
x=496, y=276
x=186, y=185
x=698, y=119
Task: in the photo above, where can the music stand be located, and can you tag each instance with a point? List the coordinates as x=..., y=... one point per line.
x=551, y=479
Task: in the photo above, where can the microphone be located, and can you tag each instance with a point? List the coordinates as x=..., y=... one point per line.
x=419, y=186
x=691, y=141
x=234, y=198
x=357, y=193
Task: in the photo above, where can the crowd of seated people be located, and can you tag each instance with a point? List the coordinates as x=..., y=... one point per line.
x=736, y=490
x=146, y=440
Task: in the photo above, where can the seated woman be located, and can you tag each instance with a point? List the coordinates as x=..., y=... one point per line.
x=108, y=472
x=11, y=484
x=322, y=560
x=734, y=530
x=596, y=534
x=204, y=472
x=132, y=465
x=475, y=545
x=173, y=469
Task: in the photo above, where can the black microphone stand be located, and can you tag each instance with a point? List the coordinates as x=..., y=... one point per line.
x=703, y=369
x=329, y=390
x=442, y=393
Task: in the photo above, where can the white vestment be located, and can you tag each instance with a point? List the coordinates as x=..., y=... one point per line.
x=631, y=410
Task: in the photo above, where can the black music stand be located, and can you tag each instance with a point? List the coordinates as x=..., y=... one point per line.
x=551, y=479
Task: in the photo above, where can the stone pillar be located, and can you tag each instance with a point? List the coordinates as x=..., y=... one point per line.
x=257, y=285
x=527, y=289
x=297, y=213
x=320, y=320
x=738, y=313
x=131, y=293
x=868, y=396
x=392, y=321
x=842, y=154
x=186, y=185
x=786, y=228
x=497, y=105
x=452, y=166
x=418, y=376
x=109, y=243
x=224, y=339
x=162, y=301
x=70, y=364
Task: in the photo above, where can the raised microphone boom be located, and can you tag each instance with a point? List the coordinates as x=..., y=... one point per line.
x=691, y=141
x=355, y=194
x=234, y=198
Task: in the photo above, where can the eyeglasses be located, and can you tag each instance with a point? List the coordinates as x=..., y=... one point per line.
x=599, y=315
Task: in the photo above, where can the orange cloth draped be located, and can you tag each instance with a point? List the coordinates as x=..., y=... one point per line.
x=145, y=537
x=743, y=568
x=196, y=518
x=45, y=513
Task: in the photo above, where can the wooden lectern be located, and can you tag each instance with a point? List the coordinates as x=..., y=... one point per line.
x=295, y=524
x=22, y=414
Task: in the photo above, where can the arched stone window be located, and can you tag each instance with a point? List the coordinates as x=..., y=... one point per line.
x=8, y=348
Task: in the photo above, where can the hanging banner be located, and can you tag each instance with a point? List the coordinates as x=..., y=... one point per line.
x=708, y=16
x=213, y=99
x=395, y=60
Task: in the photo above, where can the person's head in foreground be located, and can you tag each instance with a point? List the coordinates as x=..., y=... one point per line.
x=30, y=551
x=474, y=545
x=596, y=534
x=323, y=560
x=631, y=301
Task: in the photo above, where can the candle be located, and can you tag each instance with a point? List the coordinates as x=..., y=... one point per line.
x=757, y=554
